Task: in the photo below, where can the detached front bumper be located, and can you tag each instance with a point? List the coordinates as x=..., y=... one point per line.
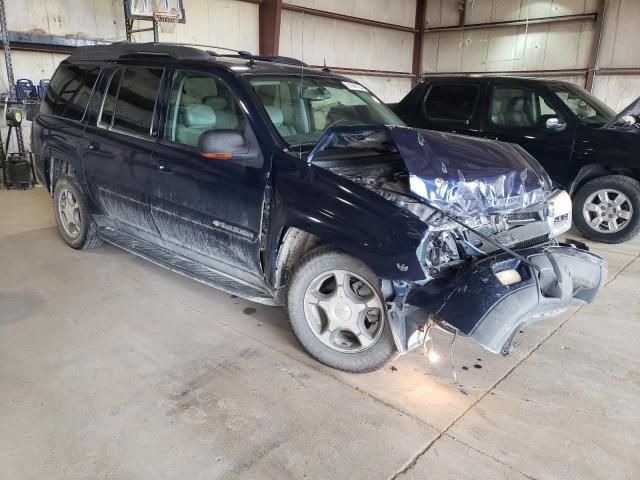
x=476, y=303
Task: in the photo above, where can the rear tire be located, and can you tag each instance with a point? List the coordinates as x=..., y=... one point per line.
x=607, y=209
x=337, y=312
x=75, y=224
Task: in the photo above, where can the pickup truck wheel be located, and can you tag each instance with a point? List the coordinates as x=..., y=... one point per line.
x=75, y=224
x=338, y=314
x=607, y=209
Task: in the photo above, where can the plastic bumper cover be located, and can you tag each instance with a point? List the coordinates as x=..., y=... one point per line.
x=476, y=303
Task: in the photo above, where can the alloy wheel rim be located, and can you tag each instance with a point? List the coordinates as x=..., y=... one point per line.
x=344, y=311
x=607, y=211
x=69, y=211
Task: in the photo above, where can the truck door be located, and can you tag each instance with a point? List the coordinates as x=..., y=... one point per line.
x=212, y=208
x=530, y=118
x=117, y=147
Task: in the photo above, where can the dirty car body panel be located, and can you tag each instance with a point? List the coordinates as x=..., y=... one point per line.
x=436, y=217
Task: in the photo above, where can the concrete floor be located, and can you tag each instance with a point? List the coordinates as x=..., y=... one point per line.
x=113, y=368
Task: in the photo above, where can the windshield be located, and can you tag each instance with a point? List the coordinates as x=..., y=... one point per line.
x=301, y=109
x=584, y=105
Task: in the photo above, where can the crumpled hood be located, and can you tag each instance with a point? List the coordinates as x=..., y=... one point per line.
x=468, y=176
x=463, y=176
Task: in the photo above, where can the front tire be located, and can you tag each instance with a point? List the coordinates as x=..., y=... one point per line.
x=337, y=312
x=75, y=224
x=607, y=209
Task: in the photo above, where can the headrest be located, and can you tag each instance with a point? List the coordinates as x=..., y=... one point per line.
x=199, y=115
x=276, y=115
x=217, y=103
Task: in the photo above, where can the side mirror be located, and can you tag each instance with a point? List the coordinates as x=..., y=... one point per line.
x=554, y=124
x=231, y=145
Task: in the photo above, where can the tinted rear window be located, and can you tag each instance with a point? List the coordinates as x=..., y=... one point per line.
x=451, y=102
x=136, y=100
x=69, y=91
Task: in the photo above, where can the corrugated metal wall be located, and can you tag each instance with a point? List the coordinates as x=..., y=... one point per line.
x=350, y=45
x=233, y=23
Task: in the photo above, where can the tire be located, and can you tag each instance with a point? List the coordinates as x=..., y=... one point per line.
x=589, y=204
x=69, y=201
x=340, y=348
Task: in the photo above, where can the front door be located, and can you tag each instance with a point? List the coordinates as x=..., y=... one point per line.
x=118, y=146
x=519, y=115
x=211, y=209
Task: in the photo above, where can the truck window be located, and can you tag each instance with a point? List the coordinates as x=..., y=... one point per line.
x=109, y=105
x=519, y=107
x=455, y=103
x=136, y=100
x=200, y=102
x=69, y=91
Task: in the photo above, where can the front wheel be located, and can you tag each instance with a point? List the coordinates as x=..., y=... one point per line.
x=338, y=314
x=607, y=209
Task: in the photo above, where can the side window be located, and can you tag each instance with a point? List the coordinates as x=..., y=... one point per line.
x=518, y=107
x=109, y=105
x=455, y=103
x=136, y=100
x=200, y=102
x=69, y=91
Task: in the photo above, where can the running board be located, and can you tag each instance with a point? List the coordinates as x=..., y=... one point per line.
x=189, y=268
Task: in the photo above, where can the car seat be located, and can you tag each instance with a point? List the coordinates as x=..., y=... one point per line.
x=276, y=116
x=198, y=118
x=225, y=118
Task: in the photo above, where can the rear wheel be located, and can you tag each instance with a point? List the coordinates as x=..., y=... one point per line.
x=75, y=224
x=338, y=314
x=607, y=209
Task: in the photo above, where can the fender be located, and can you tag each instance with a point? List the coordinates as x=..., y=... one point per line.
x=57, y=139
x=341, y=213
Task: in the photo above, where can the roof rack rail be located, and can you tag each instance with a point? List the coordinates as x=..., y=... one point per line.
x=202, y=45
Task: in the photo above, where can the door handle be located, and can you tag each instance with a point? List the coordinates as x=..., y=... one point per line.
x=94, y=146
x=165, y=169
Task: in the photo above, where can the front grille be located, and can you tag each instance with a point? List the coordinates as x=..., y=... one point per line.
x=523, y=217
x=532, y=242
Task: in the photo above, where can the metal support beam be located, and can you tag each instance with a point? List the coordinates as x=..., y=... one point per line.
x=516, y=23
x=595, y=50
x=462, y=8
x=520, y=73
x=367, y=72
x=345, y=18
x=416, y=66
x=270, y=17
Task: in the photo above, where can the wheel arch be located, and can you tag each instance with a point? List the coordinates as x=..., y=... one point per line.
x=589, y=172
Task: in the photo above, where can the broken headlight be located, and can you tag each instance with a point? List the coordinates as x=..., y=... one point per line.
x=559, y=212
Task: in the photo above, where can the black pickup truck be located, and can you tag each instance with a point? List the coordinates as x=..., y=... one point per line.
x=585, y=147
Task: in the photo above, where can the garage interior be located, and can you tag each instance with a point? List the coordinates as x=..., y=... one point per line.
x=112, y=367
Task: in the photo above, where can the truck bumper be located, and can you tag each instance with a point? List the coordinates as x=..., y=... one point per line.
x=477, y=303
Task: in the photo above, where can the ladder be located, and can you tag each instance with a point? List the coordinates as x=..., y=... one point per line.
x=4, y=37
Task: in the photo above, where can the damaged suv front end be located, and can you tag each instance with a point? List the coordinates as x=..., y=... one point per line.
x=489, y=256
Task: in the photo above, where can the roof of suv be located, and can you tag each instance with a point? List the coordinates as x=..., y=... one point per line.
x=180, y=52
x=521, y=80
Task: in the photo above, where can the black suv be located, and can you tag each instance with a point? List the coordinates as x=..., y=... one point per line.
x=583, y=145
x=290, y=186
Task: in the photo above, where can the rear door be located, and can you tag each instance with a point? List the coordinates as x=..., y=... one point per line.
x=211, y=209
x=119, y=144
x=448, y=106
x=519, y=114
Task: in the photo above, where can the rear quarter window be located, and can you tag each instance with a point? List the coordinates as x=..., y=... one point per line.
x=453, y=103
x=69, y=91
